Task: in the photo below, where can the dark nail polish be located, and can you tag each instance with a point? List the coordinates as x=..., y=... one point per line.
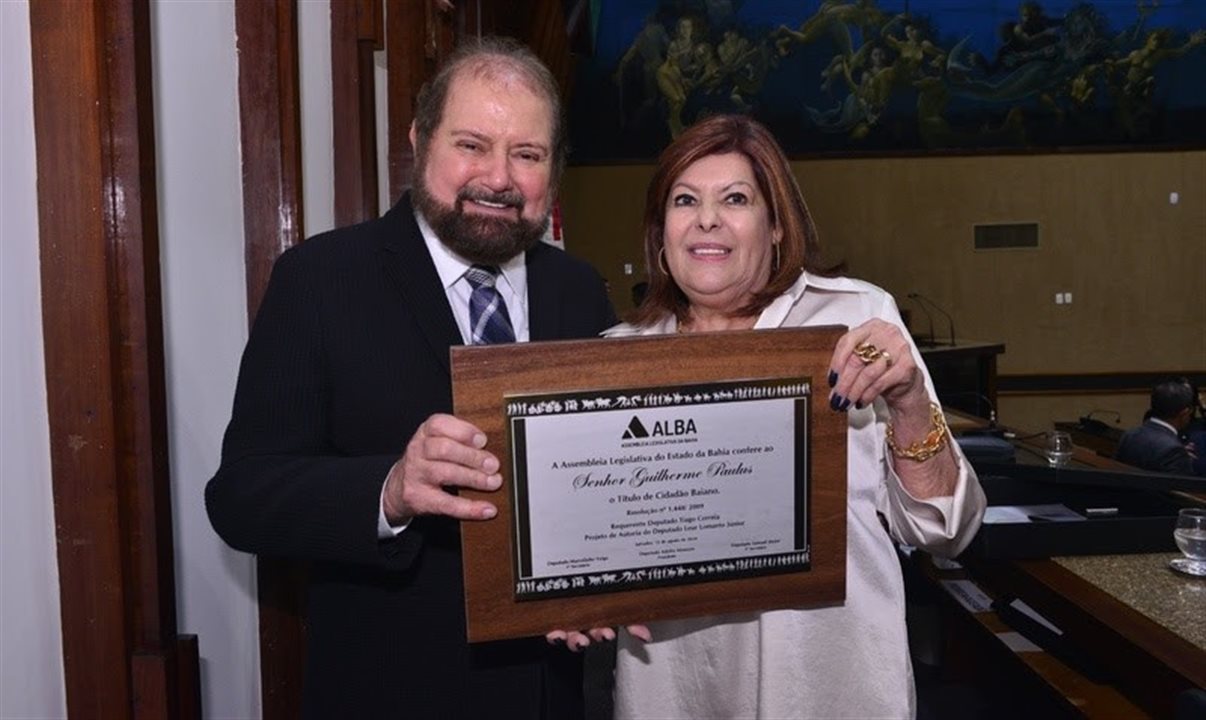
x=832, y=378
x=835, y=401
x=845, y=404
x=858, y=405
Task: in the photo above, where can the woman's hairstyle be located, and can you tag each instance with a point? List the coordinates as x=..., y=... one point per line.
x=720, y=135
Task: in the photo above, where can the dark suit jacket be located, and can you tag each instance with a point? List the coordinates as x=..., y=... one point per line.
x=1154, y=447
x=347, y=356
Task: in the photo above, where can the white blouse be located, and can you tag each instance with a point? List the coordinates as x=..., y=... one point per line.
x=846, y=661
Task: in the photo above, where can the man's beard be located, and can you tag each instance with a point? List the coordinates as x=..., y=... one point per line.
x=480, y=239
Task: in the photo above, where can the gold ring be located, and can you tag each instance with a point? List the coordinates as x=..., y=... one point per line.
x=867, y=352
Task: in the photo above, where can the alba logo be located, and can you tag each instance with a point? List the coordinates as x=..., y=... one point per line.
x=635, y=429
x=661, y=428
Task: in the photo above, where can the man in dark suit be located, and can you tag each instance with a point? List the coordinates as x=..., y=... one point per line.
x=1156, y=444
x=341, y=449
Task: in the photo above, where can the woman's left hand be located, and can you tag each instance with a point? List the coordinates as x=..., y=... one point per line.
x=577, y=641
x=875, y=360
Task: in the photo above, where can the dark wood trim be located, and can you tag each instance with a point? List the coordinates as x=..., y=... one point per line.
x=103, y=338
x=541, y=25
x=417, y=37
x=357, y=31
x=1091, y=383
x=270, y=123
x=273, y=222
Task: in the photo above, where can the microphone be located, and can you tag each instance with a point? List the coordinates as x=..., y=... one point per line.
x=987, y=444
x=922, y=298
x=992, y=428
x=1090, y=423
x=928, y=316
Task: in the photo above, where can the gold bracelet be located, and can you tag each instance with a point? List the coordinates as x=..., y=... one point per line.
x=934, y=442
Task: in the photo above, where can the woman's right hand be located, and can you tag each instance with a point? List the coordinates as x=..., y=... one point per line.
x=576, y=640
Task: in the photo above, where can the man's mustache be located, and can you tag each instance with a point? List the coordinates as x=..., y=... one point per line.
x=507, y=198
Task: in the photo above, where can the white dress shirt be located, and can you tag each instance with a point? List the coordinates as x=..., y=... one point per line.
x=512, y=285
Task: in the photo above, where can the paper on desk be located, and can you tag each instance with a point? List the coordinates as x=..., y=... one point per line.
x=1009, y=514
x=1017, y=642
x=969, y=595
x=1022, y=607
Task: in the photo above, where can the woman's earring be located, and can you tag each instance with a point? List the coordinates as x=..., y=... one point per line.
x=778, y=259
x=661, y=261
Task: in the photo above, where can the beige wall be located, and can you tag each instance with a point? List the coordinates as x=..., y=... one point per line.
x=1134, y=263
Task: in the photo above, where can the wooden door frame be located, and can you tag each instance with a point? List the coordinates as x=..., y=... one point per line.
x=103, y=340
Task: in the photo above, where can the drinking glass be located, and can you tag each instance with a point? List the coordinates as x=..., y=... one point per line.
x=1190, y=535
x=1059, y=448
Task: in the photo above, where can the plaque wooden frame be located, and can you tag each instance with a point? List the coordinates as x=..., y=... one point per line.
x=483, y=375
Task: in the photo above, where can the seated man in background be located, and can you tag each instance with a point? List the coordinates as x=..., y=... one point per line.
x=1195, y=434
x=1156, y=444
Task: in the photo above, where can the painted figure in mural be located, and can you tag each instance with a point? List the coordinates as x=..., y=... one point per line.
x=744, y=66
x=912, y=51
x=673, y=74
x=859, y=111
x=1140, y=65
x=1031, y=37
x=1049, y=73
x=1133, y=78
x=833, y=19
x=648, y=52
x=933, y=97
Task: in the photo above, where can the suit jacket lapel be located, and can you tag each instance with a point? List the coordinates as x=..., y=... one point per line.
x=544, y=310
x=408, y=265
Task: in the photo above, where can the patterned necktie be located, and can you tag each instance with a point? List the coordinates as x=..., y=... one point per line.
x=488, y=319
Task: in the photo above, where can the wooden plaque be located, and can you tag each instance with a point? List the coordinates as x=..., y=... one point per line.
x=489, y=381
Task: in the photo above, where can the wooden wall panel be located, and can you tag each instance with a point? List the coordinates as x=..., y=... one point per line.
x=103, y=338
x=273, y=222
x=357, y=31
x=418, y=35
x=271, y=136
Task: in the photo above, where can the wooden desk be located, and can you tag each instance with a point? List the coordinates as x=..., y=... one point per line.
x=1020, y=682
x=1151, y=653
x=1143, y=624
x=965, y=374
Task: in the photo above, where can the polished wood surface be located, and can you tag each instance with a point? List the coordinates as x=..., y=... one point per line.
x=418, y=35
x=357, y=31
x=103, y=340
x=270, y=128
x=484, y=375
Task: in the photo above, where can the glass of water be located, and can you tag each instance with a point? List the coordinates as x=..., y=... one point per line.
x=1190, y=535
x=1059, y=448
